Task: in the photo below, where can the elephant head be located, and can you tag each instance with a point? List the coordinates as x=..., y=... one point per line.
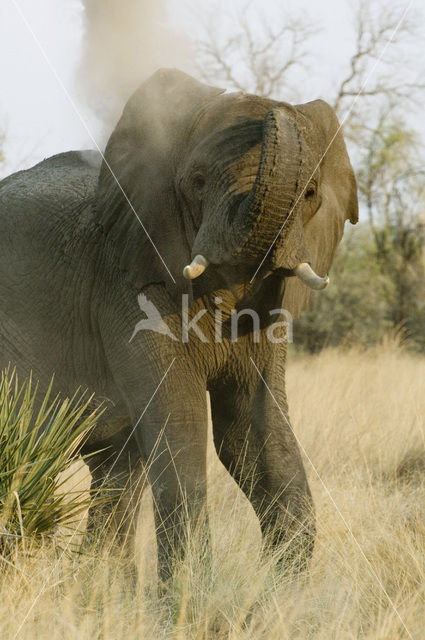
x=193, y=177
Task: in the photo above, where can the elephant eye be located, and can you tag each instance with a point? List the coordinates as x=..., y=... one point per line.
x=198, y=182
x=310, y=192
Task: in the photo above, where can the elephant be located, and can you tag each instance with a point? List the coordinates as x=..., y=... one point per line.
x=205, y=203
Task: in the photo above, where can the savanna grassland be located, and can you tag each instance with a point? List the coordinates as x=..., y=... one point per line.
x=360, y=417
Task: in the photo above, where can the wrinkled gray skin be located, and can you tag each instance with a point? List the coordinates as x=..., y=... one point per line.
x=206, y=173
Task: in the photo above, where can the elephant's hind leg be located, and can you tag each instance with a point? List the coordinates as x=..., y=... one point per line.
x=118, y=480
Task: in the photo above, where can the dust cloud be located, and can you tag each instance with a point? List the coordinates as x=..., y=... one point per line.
x=124, y=42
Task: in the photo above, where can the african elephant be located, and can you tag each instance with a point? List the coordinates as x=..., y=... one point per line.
x=240, y=192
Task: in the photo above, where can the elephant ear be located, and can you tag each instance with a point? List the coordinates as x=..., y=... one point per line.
x=136, y=202
x=338, y=190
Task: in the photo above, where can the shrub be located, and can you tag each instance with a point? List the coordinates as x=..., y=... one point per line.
x=39, y=439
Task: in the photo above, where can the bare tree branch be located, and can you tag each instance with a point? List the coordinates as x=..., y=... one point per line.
x=374, y=31
x=256, y=61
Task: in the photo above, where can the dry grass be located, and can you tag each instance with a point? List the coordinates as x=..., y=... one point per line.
x=361, y=419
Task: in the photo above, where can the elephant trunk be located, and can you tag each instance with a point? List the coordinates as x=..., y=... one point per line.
x=269, y=210
x=272, y=201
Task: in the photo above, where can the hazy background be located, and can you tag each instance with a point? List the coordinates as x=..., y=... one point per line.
x=101, y=50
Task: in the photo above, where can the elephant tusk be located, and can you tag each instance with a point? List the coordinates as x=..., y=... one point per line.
x=306, y=274
x=196, y=267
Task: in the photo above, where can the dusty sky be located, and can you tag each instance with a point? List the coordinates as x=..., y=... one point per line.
x=38, y=87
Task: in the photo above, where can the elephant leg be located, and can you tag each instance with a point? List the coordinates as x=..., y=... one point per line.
x=117, y=484
x=173, y=438
x=256, y=445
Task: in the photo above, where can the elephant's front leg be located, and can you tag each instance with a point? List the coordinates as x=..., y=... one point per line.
x=172, y=435
x=255, y=442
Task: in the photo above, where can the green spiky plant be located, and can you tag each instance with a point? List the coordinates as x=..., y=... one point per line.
x=37, y=445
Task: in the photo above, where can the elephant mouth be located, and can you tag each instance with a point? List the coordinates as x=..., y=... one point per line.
x=302, y=271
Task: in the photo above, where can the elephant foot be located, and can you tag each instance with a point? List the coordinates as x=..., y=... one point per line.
x=289, y=540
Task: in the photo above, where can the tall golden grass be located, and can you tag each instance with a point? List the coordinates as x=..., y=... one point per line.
x=360, y=417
